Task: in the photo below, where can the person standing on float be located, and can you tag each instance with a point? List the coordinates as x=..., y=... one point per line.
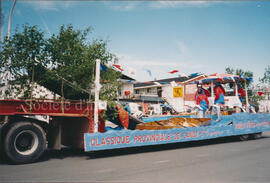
x=201, y=98
x=219, y=99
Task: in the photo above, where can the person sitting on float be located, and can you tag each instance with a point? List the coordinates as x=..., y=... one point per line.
x=202, y=100
x=219, y=99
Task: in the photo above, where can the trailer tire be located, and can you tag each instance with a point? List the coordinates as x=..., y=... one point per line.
x=24, y=142
x=257, y=135
x=244, y=137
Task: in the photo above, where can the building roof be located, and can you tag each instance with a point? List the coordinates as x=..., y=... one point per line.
x=165, y=81
x=148, y=99
x=125, y=77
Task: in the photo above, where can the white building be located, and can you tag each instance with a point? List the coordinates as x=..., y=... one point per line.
x=127, y=89
x=175, y=91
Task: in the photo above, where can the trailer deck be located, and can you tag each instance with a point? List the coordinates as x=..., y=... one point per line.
x=71, y=124
x=233, y=125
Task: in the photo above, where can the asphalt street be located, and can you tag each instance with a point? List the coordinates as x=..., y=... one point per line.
x=218, y=160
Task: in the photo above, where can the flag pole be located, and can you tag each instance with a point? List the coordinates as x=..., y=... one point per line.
x=97, y=89
x=246, y=90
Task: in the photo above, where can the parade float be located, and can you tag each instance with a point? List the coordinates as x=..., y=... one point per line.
x=82, y=125
x=176, y=128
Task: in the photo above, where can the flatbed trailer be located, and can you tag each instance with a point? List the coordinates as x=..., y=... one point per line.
x=244, y=125
x=24, y=137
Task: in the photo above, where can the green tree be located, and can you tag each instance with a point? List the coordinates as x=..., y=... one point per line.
x=63, y=63
x=73, y=58
x=23, y=49
x=240, y=72
x=266, y=80
x=253, y=97
x=266, y=76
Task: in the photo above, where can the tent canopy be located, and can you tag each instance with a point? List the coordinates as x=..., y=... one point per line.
x=222, y=78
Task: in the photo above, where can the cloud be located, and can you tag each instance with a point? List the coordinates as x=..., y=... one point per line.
x=50, y=5
x=127, y=60
x=122, y=6
x=179, y=4
x=46, y=26
x=183, y=49
x=129, y=6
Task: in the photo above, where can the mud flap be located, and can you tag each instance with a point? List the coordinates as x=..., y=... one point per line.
x=54, y=140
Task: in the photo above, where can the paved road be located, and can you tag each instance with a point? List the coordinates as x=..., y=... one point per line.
x=220, y=160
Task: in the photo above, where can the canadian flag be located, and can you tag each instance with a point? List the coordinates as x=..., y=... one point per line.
x=118, y=67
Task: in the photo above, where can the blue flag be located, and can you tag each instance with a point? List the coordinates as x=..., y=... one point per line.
x=102, y=67
x=149, y=72
x=195, y=74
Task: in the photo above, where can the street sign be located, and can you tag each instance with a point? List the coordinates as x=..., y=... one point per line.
x=178, y=92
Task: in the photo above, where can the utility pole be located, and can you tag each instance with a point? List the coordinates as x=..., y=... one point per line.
x=8, y=36
x=1, y=21
x=10, y=17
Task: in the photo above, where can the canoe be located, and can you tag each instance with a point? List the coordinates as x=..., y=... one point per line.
x=174, y=123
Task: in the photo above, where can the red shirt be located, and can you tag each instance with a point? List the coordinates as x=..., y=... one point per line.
x=219, y=90
x=204, y=91
x=241, y=92
x=201, y=97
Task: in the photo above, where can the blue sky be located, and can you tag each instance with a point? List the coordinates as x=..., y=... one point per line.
x=197, y=36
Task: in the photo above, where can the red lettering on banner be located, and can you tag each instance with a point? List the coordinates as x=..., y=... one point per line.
x=112, y=140
x=152, y=138
x=213, y=133
x=93, y=142
x=265, y=123
x=239, y=126
x=203, y=133
x=176, y=136
x=190, y=134
x=108, y=141
x=103, y=142
x=250, y=125
x=127, y=139
x=139, y=138
x=118, y=140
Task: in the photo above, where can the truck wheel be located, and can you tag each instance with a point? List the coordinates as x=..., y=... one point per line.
x=25, y=142
x=244, y=137
x=257, y=135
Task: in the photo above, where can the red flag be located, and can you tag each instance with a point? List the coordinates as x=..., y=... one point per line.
x=260, y=93
x=118, y=67
x=174, y=71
